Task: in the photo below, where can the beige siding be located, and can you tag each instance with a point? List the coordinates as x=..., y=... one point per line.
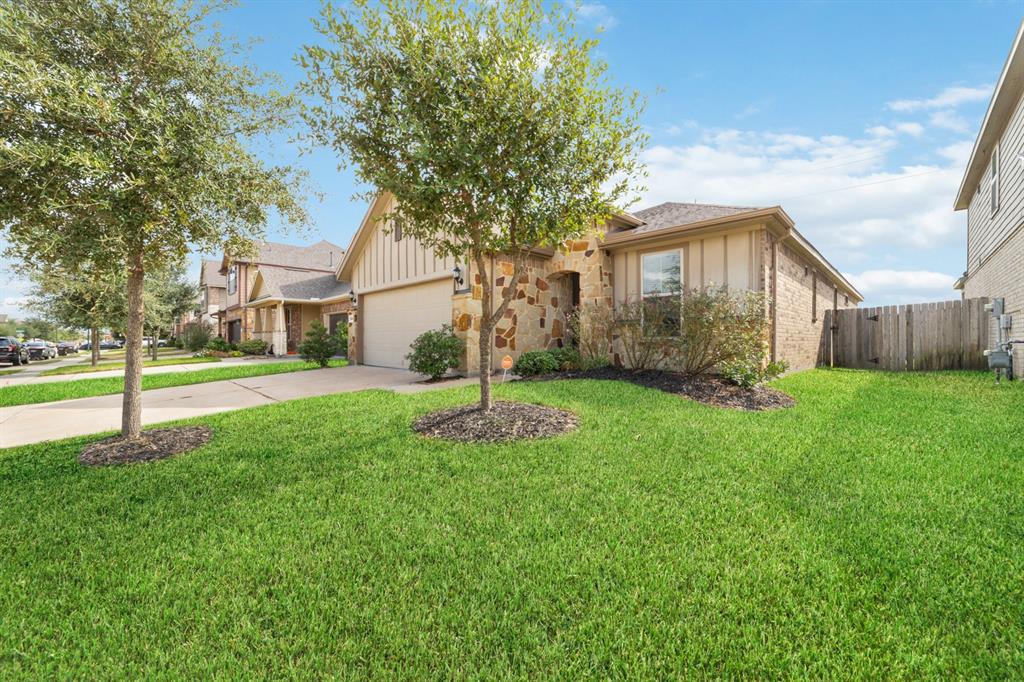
x=985, y=231
x=385, y=263
x=1002, y=275
x=721, y=259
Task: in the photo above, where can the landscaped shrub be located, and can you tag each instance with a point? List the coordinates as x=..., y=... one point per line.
x=751, y=371
x=218, y=344
x=196, y=335
x=253, y=347
x=534, y=362
x=648, y=331
x=718, y=326
x=319, y=346
x=435, y=352
x=592, y=326
x=567, y=357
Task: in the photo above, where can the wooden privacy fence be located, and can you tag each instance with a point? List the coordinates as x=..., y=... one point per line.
x=900, y=338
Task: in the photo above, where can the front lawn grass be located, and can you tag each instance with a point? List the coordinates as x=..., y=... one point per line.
x=5, y=372
x=27, y=394
x=871, y=532
x=105, y=366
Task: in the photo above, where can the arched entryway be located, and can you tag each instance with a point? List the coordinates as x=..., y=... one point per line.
x=565, y=301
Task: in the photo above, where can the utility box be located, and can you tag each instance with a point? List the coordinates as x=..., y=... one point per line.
x=999, y=359
x=1006, y=321
x=995, y=306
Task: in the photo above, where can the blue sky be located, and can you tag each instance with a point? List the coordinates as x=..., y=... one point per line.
x=856, y=117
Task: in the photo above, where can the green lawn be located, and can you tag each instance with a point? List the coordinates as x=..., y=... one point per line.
x=26, y=394
x=105, y=366
x=5, y=372
x=872, y=532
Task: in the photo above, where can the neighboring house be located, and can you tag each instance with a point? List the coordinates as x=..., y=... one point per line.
x=285, y=302
x=992, y=191
x=212, y=294
x=403, y=289
x=278, y=264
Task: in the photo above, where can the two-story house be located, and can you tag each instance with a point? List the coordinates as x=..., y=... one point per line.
x=212, y=294
x=992, y=193
x=276, y=294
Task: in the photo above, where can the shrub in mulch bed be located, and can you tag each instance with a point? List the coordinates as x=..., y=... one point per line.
x=707, y=389
x=150, y=446
x=507, y=421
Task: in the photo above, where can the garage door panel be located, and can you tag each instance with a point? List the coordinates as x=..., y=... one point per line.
x=392, y=319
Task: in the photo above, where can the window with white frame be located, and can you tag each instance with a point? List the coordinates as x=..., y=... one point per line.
x=232, y=279
x=661, y=274
x=994, y=179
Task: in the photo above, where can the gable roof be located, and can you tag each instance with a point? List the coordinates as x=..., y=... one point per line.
x=210, y=275
x=286, y=284
x=323, y=256
x=1007, y=95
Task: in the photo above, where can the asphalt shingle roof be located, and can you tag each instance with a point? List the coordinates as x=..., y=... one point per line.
x=211, y=274
x=320, y=256
x=672, y=214
x=299, y=285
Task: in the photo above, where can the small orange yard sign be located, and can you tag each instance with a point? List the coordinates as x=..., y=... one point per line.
x=506, y=362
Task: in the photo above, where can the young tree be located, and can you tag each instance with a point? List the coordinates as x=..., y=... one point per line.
x=319, y=346
x=491, y=123
x=83, y=301
x=125, y=128
x=169, y=294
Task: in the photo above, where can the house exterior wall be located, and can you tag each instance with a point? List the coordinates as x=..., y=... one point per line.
x=802, y=295
x=995, y=241
x=1002, y=275
x=385, y=262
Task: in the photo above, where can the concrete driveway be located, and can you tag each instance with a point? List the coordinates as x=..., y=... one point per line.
x=26, y=424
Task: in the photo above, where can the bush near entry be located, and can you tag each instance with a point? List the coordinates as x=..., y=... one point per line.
x=435, y=352
x=320, y=346
x=253, y=347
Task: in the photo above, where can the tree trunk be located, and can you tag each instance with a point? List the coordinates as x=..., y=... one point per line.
x=489, y=318
x=94, y=345
x=131, y=409
x=153, y=346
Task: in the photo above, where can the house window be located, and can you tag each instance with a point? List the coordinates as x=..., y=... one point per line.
x=994, y=175
x=232, y=279
x=398, y=230
x=660, y=274
x=814, y=297
x=203, y=300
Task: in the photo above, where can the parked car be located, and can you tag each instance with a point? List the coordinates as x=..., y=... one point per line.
x=12, y=351
x=67, y=348
x=41, y=350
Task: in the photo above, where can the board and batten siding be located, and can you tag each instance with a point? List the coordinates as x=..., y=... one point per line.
x=385, y=263
x=985, y=231
x=732, y=259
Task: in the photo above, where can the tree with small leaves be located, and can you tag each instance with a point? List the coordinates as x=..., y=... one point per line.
x=319, y=345
x=491, y=123
x=126, y=129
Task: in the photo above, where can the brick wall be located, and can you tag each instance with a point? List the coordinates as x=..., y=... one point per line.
x=1002, y=275
x=802, y=297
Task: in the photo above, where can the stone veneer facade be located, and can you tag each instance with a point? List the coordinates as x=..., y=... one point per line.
x=537, y=317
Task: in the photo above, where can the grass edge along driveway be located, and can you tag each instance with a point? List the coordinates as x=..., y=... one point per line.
x=29, y=394
x=106, y=366
x=871, y=532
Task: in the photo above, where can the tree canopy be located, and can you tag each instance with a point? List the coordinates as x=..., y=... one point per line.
x=492, y=124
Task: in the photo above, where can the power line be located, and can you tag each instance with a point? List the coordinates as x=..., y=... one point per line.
x=863, y=184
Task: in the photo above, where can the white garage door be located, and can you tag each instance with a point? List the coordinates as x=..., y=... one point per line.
x=390, y=320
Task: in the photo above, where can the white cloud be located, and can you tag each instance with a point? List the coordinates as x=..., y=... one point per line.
x=903, y=286
x=880, y=131
x=841, y=191
x=598, y=14
x=952, y=96
x=950, y=120
x=912, y=129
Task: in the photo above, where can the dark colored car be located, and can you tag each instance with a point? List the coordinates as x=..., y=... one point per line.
x=67, y=348
x=40, y=350
x=12, y=351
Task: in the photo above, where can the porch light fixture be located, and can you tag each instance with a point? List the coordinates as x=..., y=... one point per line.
x=352, y=296
x=457, y=275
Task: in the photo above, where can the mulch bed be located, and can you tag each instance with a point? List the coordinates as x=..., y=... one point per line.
x=710, y=390
x=151, y=446
x=507, y=421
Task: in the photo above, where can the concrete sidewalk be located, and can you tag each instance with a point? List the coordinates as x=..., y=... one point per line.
x=25, y=424
x=21, y=379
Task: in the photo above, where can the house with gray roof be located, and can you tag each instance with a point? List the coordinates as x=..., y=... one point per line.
x=402, y=288
x=276, y=293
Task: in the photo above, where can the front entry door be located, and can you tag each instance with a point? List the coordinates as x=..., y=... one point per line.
x=289, y=318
